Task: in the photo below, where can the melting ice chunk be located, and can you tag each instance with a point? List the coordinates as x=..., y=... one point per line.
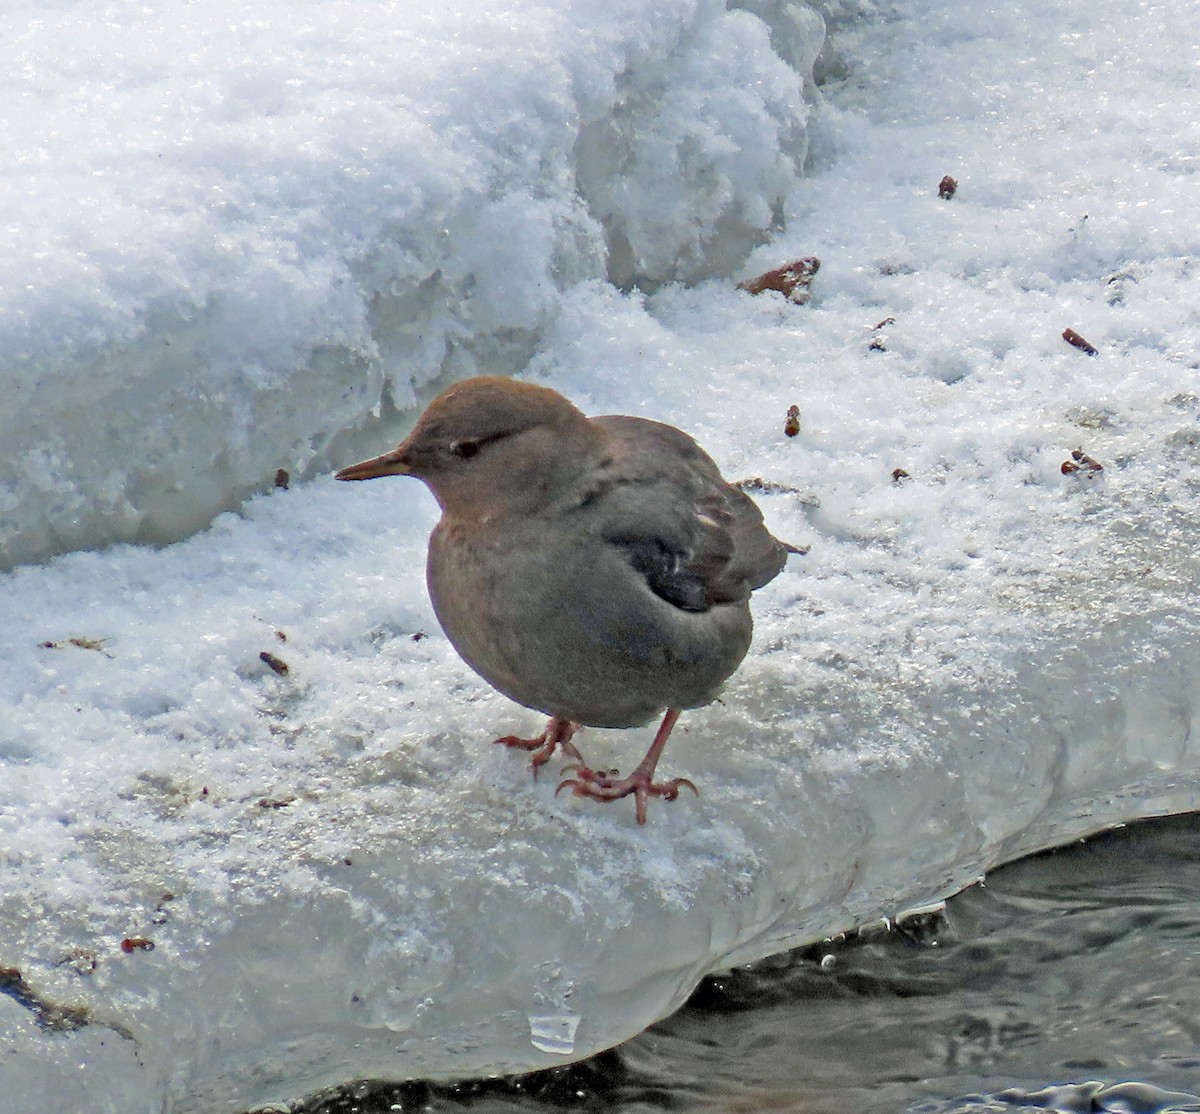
x=554, y=1033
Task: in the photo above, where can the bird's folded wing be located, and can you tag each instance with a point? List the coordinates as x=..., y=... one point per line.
x=697, y=541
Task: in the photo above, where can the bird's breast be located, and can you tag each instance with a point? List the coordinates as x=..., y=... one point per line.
x=569, y=627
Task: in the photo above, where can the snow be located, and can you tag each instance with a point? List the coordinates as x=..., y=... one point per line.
x=982, y=658
x=231, y=237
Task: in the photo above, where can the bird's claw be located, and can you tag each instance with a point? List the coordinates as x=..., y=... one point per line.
x=600, y=787
x=556, y=736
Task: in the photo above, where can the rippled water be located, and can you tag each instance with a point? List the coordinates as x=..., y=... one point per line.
x=1069, y=982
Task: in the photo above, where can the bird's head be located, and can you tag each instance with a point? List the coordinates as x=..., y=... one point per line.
x=489, y=445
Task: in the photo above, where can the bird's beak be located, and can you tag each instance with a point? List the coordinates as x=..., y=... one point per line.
x=395, y=463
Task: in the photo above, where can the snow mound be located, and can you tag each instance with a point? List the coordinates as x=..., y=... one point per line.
x=233, y=236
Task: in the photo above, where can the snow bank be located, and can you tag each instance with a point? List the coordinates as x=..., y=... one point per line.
x=233, y=235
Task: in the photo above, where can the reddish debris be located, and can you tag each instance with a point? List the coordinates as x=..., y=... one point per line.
x=1072, y=337
x=792, y=280
x=1081, y=462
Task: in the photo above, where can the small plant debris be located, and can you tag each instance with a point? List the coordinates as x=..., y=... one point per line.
x=161, y=914
x=282, y=479
x=80, y=960
x=947, y=188
x=877, y=344
x=278, y=664
x=281, y=636
x=95, y=644
x=275, y=802
x=47, y=1014
x=899, y=475
x=791, y=426
x=1116, y=283
x=756, y=485
x=1072, y=337
x=1080, y=462
x=133, y=944
x=792, y=280
x=419, y=635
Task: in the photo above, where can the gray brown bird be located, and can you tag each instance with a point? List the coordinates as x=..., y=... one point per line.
x=596, y=569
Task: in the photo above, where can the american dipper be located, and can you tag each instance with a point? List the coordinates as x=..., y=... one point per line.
x=596, y=569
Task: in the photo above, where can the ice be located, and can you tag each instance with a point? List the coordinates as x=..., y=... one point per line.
x=232, y=239
x=340, y=876
x=363, y=886
x=554, y=1034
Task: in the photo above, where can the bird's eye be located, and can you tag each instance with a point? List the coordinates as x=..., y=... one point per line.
x=464, y=450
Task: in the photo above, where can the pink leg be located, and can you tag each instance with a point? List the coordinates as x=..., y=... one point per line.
x=641, y=783
x=558, y=733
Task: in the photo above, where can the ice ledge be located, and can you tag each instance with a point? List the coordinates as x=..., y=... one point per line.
x=362, y=887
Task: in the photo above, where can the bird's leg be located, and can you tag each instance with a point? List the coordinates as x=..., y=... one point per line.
x=558, y=733
x=641, y=783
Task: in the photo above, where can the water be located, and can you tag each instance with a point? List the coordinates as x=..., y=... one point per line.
x=1069, y=982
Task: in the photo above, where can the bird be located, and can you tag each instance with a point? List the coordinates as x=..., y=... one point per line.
x=596, y=569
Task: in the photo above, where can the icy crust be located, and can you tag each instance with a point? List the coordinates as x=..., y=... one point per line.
x=981, y=660
x=231, y=237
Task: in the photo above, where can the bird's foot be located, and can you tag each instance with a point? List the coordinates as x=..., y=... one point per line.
x=641, y=783
x=558, y=734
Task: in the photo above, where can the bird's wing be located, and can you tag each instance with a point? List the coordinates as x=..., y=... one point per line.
x=696, y=540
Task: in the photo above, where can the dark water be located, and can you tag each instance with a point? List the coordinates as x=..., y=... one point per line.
x=1069, y=982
